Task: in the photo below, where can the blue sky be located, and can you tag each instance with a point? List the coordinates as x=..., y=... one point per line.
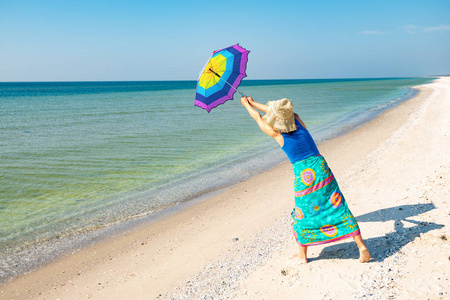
x=171, y=40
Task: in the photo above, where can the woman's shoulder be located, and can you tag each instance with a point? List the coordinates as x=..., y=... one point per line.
x=299, y=121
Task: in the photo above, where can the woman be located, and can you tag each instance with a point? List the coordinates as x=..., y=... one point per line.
x=320, y=214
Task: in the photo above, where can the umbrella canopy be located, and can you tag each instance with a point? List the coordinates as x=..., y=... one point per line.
x=221, y=76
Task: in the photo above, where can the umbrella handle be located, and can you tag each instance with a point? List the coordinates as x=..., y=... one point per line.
x=226, y=82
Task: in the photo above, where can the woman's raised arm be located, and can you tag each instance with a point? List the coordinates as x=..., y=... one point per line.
x=259, y=120
x=260, y=106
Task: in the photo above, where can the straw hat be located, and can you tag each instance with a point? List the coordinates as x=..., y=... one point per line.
x=280, y=115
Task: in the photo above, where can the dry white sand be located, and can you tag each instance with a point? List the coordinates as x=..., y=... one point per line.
x=394, y=172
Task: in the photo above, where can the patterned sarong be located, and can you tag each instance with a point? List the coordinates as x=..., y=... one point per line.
x=320, y=214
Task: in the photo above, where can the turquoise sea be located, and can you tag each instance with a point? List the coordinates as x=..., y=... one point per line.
x=77, y=158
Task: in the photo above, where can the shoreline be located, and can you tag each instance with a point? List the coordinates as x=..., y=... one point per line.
x=158, y=235
x=61, y=246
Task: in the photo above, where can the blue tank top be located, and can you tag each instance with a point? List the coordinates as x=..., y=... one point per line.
x=299, y=144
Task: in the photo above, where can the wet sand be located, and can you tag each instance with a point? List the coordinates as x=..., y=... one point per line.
x=394, y=172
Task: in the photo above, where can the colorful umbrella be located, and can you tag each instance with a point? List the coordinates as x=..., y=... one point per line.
x=221, y=76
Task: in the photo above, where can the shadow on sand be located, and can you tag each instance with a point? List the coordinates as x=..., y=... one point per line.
x=385, y=246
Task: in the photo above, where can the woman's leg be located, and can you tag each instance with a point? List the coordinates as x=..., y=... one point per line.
x=364, y=255
x=302, y=255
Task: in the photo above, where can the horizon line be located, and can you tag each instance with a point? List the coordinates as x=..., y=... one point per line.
x=194, y=80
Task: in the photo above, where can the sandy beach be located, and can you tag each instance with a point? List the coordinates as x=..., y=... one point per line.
x=394, y=172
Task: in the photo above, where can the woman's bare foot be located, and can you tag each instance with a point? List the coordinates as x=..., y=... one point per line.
x=301, y=258
x=364, y=255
